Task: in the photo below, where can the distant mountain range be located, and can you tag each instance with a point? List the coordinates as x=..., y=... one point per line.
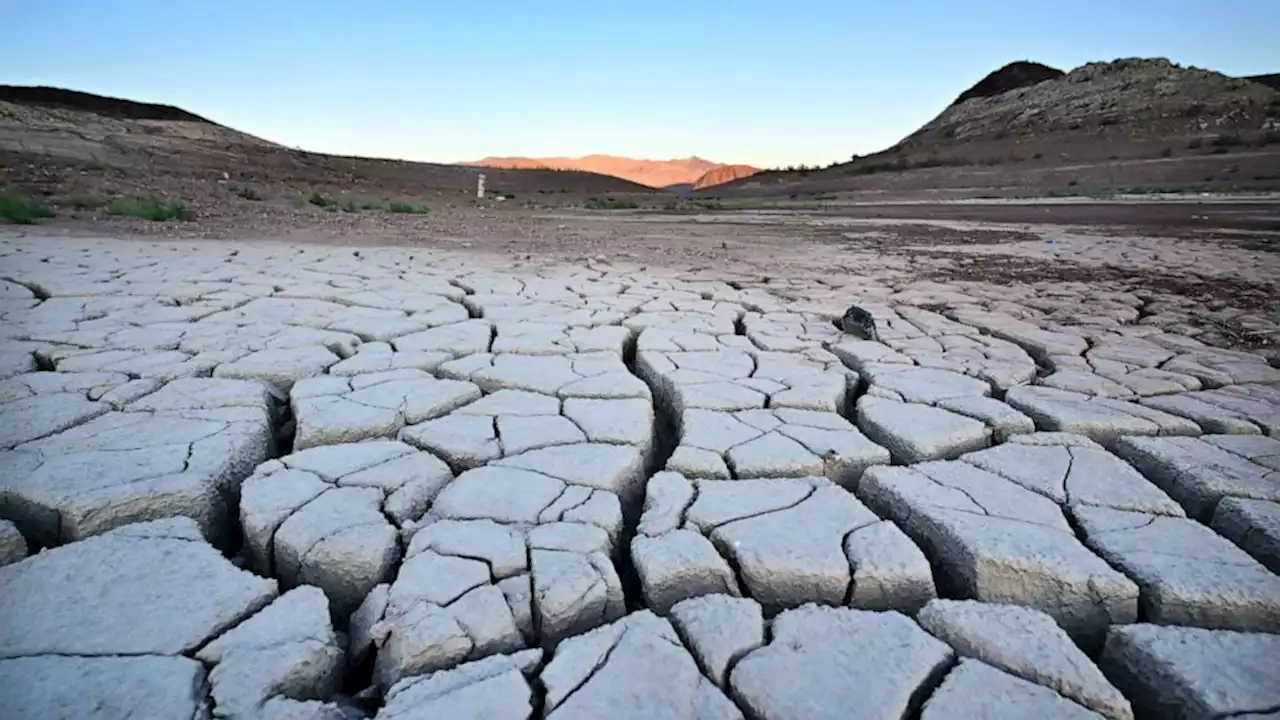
x=680, y=174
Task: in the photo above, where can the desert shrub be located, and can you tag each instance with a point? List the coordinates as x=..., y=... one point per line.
x=321, y=200
x=23, y=209
x=404, y=206
x=355, y=205
x=610, y=204
x=150, y=208
x=77, y=201
x=247, y=193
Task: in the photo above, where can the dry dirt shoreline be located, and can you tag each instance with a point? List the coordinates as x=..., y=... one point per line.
x=1222, y=257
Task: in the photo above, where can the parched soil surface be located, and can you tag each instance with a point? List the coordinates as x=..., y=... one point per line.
x=464, y=469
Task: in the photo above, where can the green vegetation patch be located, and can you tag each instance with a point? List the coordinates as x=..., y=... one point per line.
x=22, y=208
x=150, y=208
x=608, y=203
x=404, y=206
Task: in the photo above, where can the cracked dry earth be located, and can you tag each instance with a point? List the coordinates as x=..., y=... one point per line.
x=263, y=480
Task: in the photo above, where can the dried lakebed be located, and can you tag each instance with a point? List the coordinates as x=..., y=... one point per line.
x=263, y=480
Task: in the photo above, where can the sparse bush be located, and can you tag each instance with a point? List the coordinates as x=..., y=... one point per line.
x=321, y=200
x=610, y=204
x=150, y=208
x=403, y=206
x=23, y=209
x=80, y=202
x=247, y=193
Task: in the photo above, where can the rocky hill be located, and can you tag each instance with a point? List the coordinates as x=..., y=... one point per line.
x=1010, y=77
x=1125, y=101
x=1272, y=81
x=1129, y=122
x=653, y=173
x=97, y=104
x=722, y=175
x=57, y=141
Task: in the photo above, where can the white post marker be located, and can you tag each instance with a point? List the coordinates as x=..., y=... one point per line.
x=480, y=187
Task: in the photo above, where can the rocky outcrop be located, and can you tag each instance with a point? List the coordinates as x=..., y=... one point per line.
x=722, y=175
x=653, y=173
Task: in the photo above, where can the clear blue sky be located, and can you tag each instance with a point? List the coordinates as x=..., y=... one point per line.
x=754, y=81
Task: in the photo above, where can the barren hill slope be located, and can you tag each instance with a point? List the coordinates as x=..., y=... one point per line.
x=653, y=173
x=52, y=138
x=1014, y=128
x=1118, y=103
x=43, y=95
x=1010, y=77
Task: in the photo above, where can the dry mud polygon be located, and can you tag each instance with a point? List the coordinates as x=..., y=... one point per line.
x=269, y=480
